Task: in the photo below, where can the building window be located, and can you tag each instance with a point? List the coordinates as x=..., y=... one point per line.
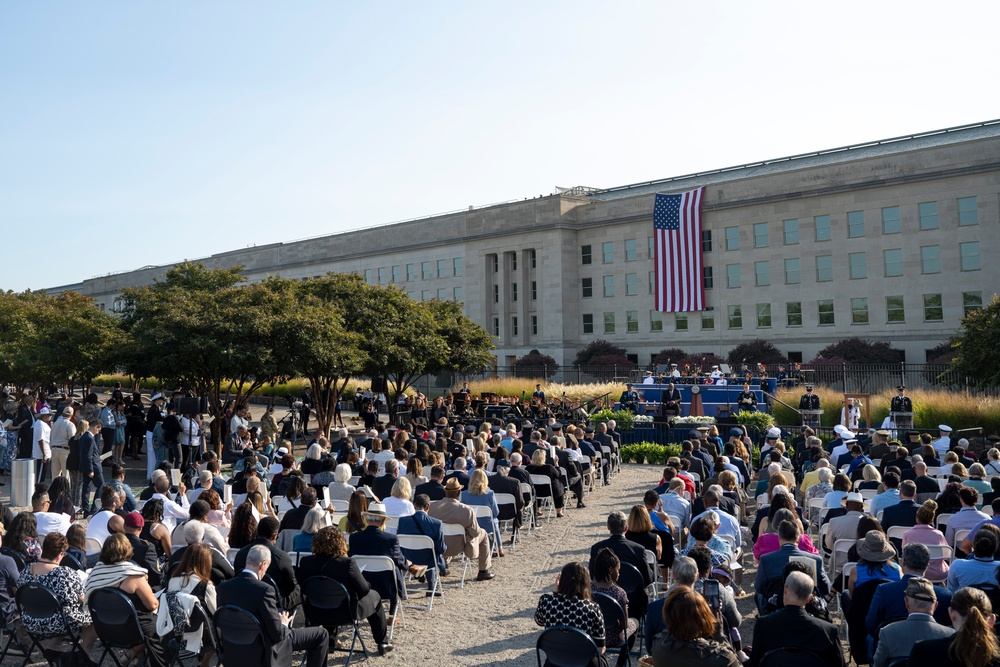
x=631, y=284
x=513, y=326
x=456, y=265
x=825, y=308
x=928, y=213
x=585, y=255
x=708, y=319
x=893, y=262
x=859, y=310
x=513, y=261
x=411, y=272
x=396, y=274
x=969, y=253
x=631, y=253
x=425, y=295
x=930, y=259
x=793, y=313
x=588, y=323
x=894, y=311
x=440, y=293
x=496, y=263
x=533, y=259
x=655, y=321
x=457, y=292
x=496, y=294
x=823, y=230
x=824, y=268
x=534, y=290
x=791, y=231
x=735, y=317
x=707, y=277
x=706, y=240
x=680, y=322
x=858, y=265
x=855, y=224
x=971, y=301
x=608, y=252
x=496, y=327
x=968, y=213
x=442, y=268
x=513, y=291
x=369, y=276
x=732, y=238
x=588, y=288
x=933, y=310
x=762, y=273
x=763, y=316
x=609, y=323
x=632, y=321
x=890, y=220
x=760, y=235
x=425, y=270
x=609, y=285
x=733, y=275
x=534, y=325
x=793, y=274
x=652, y=282
x=652, y=247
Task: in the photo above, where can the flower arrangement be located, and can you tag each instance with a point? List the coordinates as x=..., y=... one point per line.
x=694, y=420
x=642, y=419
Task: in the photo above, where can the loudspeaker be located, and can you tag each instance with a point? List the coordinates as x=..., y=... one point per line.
x=380, y=385
x=184, y=405
x=495, y=411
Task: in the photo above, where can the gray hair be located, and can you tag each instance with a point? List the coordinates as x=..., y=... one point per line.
x=314, y=452
x=799, y=585
x=257, y=556
x=824, y=474
x=612, y=423
x=515, y=458
x=205, y=478
x=194, y=532
x=916, y=556
x=391, y=466
x=342, y=473
x=617, y=523
x=685, y=571
x=717, y=489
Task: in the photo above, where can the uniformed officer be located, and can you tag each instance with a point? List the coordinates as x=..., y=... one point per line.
x=809, y=400
x=747, y=400
x=630, y=399
x=901, y=402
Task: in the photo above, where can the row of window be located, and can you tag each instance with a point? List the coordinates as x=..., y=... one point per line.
x=895, y=312
x=532, y=292
x=532, y=260
x=515, y=329
x=892, y=223
x=442, y=268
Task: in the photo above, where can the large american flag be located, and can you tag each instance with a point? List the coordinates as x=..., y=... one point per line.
x=678, y=260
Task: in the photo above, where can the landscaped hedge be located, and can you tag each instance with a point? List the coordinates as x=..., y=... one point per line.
x=649, y=452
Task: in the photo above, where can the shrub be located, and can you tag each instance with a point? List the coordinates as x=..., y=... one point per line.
x=513, y=386
x=672, y=355
x=756, y=351
x=598, y=348
x=649, y=452
x=857, y=350
x=623, y=418
x=611, y=360
x=977, y=352
x=535, y=365
x=758, y=420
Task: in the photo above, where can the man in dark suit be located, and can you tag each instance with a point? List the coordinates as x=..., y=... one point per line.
x=249, y=592
x=627, y=552
x=419, y=523
x=143, y=553
x=382, y=486
x=501, y=482
x=373, y=541
x=888, y=601
x=295, y=517
x=792, y=627
x=905, y=512
x=924, y=484
x=697, y=465
x=434, y=487
x=459, y=472
x=773, y=564
x=280, y=565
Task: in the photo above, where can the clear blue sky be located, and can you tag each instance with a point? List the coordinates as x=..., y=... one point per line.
x=147, y=133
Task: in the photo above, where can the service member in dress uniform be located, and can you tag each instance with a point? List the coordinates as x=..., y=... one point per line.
x=809, y=400
x=901, y=402
x=747, y=400
x=630, y=399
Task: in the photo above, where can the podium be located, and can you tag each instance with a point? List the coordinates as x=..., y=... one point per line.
x=810, y=418
x=902, y=421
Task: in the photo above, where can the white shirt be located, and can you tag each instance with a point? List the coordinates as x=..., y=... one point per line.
x=649, y=380
x=851, y=416
x=189, y=431
x=839, y=451
x=941, y=446
x=172, y=511
x=62, y=430
x=397, y=507
x=716, y=375
x=52, y=522
x=675, y=373
x=236, y=422
x=40, y=431
x=97, y=527
x=721, y=382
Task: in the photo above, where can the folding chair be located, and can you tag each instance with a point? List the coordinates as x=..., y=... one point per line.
x=16, y=557
x=452, y=530
x=286, y=538
x=339, y=505
x=939, y=552
x=613, y=613
x=483, y=512
x=942, y=521
x=116, y=623
x=959, y=536
x=326, y=603
x=93, y=546
x=412, y=543
x=528, y=493
x=241, y=639
x=543, y=495
x=37, y=601
x=565, y=647
x=656, y=586
x=178, y=648
x=791, y=657
x=380, y=572
x=631, y=581
x=507, y=504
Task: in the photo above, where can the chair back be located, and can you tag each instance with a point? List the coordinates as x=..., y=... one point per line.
x=37, y=601
x=413, y=543
x=630, y=579
x=565, y=647
x=326, y=602
x=15, y=556
x=72, y=562
x=791, y=657
x=286, y=538
x=116, y=620
x=614, y=615
x=380, y=572
x=507, y=504
x=240, y=636
x=339, y=505
x=543, y=486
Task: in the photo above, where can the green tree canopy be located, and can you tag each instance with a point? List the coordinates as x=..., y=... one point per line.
x=978, y=354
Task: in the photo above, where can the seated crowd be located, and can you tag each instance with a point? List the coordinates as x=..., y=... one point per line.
x=912, y=558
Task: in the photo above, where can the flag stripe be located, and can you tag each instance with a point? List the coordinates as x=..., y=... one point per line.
x=678, y=261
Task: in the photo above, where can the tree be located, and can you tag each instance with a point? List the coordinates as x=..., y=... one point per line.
x=756, y=351
x=672, y=355
x=469, y=345
x=535, y=365
x=611, y=360
x=598, y=348
x=860, y=351
x=977, y=352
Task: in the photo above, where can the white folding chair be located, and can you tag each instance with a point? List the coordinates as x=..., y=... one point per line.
x=529, y=506
x=839, y=555
x=286, y=538
x=231, y=555
x=940, y=552
x=340, y=505
x=483, y=512
x=353, y=481
x=383, y=564
x=391, y=524
x=507, y=500
x=654, y=588
x=868, y=494
x=897, y=532
x=453, y=530
x=959, y=536
x=423, y=543
x=93, y=545
x=543, y=483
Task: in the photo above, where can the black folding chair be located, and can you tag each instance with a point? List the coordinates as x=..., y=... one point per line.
x=327, y=603
x=17, y=557
x=20, y=647
x=241, y=637
x=566, y=647
x=116, y=623
x=199, y=620
x=38, y=602
x=630, y=580
x=791, y=657
x=72, y=562
x=614, y=618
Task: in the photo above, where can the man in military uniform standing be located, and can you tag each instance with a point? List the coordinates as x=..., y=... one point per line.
x=901, y=402
x=747, y=400
x=809, y=400
x=671, y=400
